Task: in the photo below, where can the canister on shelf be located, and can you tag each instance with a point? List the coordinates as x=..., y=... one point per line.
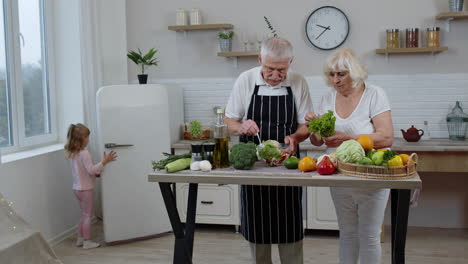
x=195, y=16
x=393, y=38
x=181, y=17
x=433, y=37
x=412, y=37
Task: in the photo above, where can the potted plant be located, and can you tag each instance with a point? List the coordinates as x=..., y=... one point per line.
x=144, y=60
x=225, y=41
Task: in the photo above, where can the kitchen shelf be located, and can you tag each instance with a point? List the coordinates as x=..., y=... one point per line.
x=449, y=16
x=200, y=27
x=411, y=50
x=239, y=53
x=236, y=54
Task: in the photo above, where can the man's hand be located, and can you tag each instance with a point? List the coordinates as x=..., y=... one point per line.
x=249, y=128
x=292, y=142
x=336, y=140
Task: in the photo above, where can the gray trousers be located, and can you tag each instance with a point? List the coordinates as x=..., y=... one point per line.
x=290, y=253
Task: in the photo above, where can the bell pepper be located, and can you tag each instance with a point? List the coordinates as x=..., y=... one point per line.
x=325, y=166
x=396, y=161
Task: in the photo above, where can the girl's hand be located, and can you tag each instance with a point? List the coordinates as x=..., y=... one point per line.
x=310, y=116
x=336, y=140
x=109, y=157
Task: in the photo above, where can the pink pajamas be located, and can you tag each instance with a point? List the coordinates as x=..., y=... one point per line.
x=85, y=200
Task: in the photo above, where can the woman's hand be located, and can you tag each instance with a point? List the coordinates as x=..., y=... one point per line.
x=109, y=157
x=310, y=116
x=336, y=140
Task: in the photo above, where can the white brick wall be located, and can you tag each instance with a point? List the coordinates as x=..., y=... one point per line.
x=414, y=98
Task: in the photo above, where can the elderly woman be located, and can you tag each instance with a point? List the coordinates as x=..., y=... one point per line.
x=360, y=109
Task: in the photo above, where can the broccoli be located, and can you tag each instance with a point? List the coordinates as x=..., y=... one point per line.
x=243, y=155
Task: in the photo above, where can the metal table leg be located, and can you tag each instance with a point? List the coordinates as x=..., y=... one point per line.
x=183, y=247
x=400, y=200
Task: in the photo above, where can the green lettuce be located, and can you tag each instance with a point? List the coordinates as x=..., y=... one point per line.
x=324, y=126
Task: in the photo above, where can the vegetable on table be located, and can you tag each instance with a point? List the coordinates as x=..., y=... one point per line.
x=205, y=166
x=325, y=166
x=178, y=165
x=272, y=153
x=160, y=165
x=378, y=158
x=291, y=162
x=243, y=155
x=324, y=126
x=350, y=151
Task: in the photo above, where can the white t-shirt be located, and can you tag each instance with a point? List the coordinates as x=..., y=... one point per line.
x=373, y=102
x=239, y=100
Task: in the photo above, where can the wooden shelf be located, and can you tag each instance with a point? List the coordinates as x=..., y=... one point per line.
x=410, y=50
x=239, y=54
x=452, y=15
x=200, y=27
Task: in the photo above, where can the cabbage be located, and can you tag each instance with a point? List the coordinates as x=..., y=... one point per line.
x=350, y=151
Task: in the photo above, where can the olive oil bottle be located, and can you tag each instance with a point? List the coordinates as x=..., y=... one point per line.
x=221, y=137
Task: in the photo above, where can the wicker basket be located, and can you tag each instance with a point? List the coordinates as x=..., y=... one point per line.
x=380, y=172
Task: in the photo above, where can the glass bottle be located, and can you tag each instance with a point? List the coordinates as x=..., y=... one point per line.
x=457, y=123
x=221, y=137
x=427, y=133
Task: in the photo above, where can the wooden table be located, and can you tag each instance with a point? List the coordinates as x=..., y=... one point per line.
x=277, y=176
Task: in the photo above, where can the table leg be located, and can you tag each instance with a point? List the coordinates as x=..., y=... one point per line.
x=181, y=250
x=191, y=215
x=400, y=200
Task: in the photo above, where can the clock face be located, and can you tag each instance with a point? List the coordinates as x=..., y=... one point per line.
x=327, y=27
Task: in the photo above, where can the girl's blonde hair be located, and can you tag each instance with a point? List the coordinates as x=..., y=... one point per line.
x=76, y=136
x=345, y=60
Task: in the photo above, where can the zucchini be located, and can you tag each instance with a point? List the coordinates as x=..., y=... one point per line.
x=180, y=164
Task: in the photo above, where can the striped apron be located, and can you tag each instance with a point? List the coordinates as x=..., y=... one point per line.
x=271, y=214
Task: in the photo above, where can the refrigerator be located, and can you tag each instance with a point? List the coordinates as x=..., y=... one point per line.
x=139, y=122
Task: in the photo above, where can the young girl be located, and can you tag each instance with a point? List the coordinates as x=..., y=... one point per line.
x=84, y=177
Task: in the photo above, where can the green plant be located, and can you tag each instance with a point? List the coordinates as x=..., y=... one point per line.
x=195, y=128
x=226, y=35
x=144, y=60
x=273, y=31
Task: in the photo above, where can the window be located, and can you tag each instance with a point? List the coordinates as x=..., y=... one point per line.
x=26, y=98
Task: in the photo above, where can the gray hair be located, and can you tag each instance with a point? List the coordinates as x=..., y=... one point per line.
x=277, y=48
x=345, y=60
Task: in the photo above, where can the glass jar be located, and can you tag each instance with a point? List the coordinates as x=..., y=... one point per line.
x=457, y=123
x=393, y=38
x=412, y=37
x=196, y=152
x=221, y=137
x=433, y=37
x=181, y=17
x=208, y=151
x=195, y=16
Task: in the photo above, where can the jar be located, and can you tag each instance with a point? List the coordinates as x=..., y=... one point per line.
x=433, y=37
x=181, y=17
x=195, y=16
x=393, y=38
x=412, y=37
x=457, y=123
x=208, y=150
x=196, y=152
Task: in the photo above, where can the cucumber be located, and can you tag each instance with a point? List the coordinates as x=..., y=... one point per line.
x=180, y=164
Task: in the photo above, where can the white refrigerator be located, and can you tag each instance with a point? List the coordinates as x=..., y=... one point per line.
x=141, y=121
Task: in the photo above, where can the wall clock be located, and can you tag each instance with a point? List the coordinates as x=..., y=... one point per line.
x=327, y=27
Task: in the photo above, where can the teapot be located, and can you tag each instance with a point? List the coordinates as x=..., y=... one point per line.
x=412, y=134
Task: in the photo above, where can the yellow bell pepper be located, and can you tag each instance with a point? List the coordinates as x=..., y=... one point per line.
x=396, y=161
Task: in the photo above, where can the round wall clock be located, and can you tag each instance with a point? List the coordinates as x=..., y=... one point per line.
x=327, y=27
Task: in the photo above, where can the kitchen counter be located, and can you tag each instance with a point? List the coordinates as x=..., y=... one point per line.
x=435, y=155
x=399, y=145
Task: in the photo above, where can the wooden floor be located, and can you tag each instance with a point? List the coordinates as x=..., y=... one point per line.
x=220, y=244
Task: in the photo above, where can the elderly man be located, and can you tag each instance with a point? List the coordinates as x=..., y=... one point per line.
x=272, y=102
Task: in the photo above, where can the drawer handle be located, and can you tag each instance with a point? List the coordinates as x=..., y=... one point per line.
x=207, y=202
